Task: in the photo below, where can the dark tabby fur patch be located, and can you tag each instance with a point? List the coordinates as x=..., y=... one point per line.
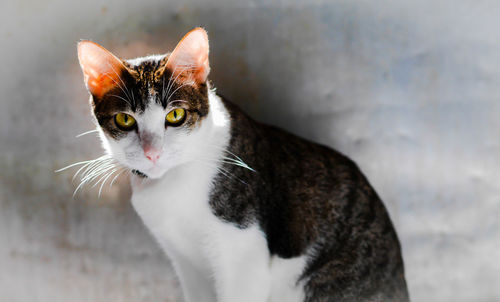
x=308, y=198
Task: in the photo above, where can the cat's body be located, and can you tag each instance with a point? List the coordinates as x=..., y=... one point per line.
x=247, y=212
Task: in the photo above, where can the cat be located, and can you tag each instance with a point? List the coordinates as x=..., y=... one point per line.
x=245, y=211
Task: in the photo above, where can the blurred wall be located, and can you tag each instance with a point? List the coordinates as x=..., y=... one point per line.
x=408, y=89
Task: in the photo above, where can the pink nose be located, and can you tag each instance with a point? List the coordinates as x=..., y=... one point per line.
x=152, y=154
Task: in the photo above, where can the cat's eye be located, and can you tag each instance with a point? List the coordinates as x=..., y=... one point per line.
x=175, y=117
x=125, y=121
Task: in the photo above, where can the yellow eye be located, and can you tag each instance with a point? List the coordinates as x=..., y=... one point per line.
x=124, y=121
x=176, y=116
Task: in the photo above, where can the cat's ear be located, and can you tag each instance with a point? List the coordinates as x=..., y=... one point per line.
x=189, y=60
x=101, y=69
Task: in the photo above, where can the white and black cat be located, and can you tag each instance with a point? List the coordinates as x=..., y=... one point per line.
x=245, y=211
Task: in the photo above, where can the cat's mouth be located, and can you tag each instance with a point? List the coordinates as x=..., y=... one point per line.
x=139, y=173
x=151, y=173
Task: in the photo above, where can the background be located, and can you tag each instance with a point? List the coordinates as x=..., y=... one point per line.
x=408, y=89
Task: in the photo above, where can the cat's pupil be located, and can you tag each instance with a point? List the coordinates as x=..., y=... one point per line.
x=125, y=119
x=175, y=114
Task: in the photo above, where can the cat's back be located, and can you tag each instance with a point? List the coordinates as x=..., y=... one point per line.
x=311, y=200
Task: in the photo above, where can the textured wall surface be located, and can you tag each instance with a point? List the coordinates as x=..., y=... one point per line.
x=408, y=89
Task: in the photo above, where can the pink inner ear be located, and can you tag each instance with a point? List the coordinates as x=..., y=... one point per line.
x=190, y=57
x=100, y=67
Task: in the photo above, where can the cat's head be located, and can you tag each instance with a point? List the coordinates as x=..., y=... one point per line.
x=149, y=110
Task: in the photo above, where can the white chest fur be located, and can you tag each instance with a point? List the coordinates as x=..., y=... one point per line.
x=215, y=260
x=175, y=209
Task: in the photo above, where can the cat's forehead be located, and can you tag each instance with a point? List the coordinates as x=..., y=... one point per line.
x=146, y=69
x=150, y=80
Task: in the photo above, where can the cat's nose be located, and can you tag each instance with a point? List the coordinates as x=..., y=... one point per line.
x=152, y=154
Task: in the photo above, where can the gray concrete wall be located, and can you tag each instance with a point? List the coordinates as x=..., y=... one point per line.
x=408, y=89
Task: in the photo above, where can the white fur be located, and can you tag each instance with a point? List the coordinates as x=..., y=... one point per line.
x=285, y=274
x=215, y=260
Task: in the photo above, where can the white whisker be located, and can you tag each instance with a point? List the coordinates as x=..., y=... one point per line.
x=97, y=170
x=91, y=165
x=73, y=165
x=105, y=179
x=105, y=172
x=170, y=79
x=124, y=86
x=171, y=83
x=87, y=132
x=116, y=176
x=213, y=163
x=119, y=86
x=237, y=160
x=162, y=88
x=90, y=179
x=121, y=98
x=185, y=84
